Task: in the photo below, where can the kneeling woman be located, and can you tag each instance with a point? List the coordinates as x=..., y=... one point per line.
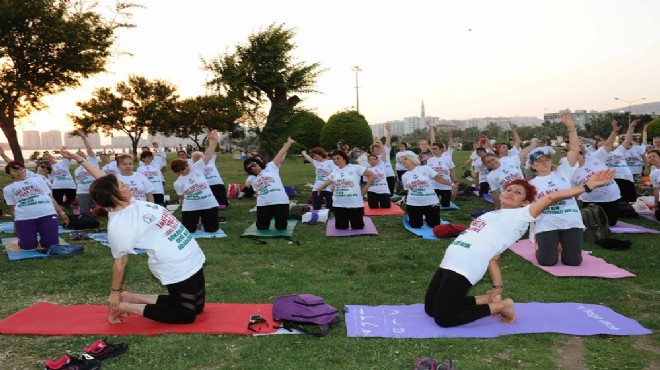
x=174, y=256
x=347, y=201
x=478, y=249
x=272, y=200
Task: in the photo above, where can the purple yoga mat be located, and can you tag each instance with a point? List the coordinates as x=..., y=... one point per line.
x=591, y=266
x=488, y=198
x=626, y=228
x=649, y=217
x=410, y=321
x=369, y=229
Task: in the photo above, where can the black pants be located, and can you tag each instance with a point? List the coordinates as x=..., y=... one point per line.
x=571, y=245
x=280, y=212
x=220, y=194
x=391, y=181
x=209, y=216
x=484, y=188
x=611, y=210
x=627, y=189
x=345, y=217
x=447, y=300
x=159, y=199
x=444, y=196
x=185, y=301
x=58, y=195
x=317, y=200
x=416, y=215
x=376, y=200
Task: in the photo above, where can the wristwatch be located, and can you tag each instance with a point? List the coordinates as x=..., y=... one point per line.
x=587, y=189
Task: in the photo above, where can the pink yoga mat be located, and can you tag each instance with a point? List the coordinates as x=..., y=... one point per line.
x=45, y=318
x=626, y=228
x=369, y=229
x=394, y=210
x=591, y=266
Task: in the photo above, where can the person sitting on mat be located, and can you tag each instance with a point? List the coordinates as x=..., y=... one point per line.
x=272, y=200
x=323, y=167
x=442, y=163
x=477, y=250
x=347, y=199
x=378, y=194
x=174, y=256
x=653, y=157
x=421, y=200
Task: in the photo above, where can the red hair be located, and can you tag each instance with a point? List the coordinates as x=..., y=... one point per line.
x=530, y=190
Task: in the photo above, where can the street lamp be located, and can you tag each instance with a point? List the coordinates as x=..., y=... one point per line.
x=629, y=104
x=357, y=95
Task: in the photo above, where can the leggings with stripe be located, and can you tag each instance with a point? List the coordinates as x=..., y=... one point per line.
x=185, y=301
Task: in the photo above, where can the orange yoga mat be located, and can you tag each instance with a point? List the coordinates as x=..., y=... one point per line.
x=394, y=210
x=45, y=318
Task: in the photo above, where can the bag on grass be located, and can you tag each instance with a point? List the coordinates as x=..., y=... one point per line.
x=305, y=312
x=596, y=223
x=82, y=222
x=448, y=230
x=312, y=217
x=234, y=190
x=429, y=363
x=626, y=210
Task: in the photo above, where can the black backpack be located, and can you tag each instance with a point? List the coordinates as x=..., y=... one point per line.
x=596, y=223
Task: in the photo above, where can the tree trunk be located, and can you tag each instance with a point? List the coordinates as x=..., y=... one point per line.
x=7, y=123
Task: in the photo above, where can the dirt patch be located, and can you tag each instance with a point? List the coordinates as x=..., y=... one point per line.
x=570, y=354
x=644, y=343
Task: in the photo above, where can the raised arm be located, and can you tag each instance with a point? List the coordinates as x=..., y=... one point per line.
x=645, y=134
x=525, y=152
x=279, y=157
x=597, y=179
x=388, y=135
x=573, y=139
x=212, y=137
x=514, y=133
x=431, y=132
x=450, y=141
x=92, y=169
x=4, y=156
x=307, y=156
x=83, y=136
x=383, y=155
x=627, y=141
x=609, y=143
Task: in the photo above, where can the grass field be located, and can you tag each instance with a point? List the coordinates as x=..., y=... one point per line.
x=392, y=268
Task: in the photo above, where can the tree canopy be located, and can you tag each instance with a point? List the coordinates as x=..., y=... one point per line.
x=47, y=46
x=305, y=128
x=134, y=107
x=264, y=70
x=349, y=127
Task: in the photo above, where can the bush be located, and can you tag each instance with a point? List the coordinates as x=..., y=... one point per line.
x=653, y=129
x=350, y=128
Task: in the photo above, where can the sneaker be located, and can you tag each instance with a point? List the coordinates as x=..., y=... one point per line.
x=67, y=362
x=101, y=350
x=222, y=220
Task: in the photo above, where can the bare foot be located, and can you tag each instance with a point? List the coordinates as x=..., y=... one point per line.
x=113, y=318
x=507, y=312
x=495, y=299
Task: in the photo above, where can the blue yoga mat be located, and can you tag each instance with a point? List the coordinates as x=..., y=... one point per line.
x=103, y=239
x=8, y=227
x=201, y=234
x=24, y=254
x=452, y=206
x=425, y=232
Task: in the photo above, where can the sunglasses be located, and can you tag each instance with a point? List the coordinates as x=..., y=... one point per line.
x=17, y=168
x=45, y=167
x=251, y=165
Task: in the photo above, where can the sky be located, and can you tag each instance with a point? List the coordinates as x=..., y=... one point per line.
x=463, y=59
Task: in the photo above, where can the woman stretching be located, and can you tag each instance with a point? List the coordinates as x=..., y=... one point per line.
x=174, y=256
x=478, y=249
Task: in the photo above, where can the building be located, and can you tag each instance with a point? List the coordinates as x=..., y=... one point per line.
x=31, y=140
x=75, y=142
x=581, y=117
x=51, y=140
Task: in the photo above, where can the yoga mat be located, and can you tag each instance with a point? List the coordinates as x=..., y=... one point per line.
x=45, y=318
x=488, y=198
x=201, y=234
x=271, y=232
x=394, y=210
x=8, y=227
x=591, y=266
x=410, y=321
x=425, y=232
x=649, y=217
x=451, y=207
x=369, y=228
x=24, y=254
x=626, y=228
x=103, y=239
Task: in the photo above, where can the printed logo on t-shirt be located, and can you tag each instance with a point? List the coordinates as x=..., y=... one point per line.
x=149, y=218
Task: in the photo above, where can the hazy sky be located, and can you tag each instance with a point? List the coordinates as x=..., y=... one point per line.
x=462, y=58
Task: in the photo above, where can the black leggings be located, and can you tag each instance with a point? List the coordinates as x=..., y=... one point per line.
x=611, y=210
x=280, y=212
x=416, y=215
x=185, y=301
x=345, y=217
x=209, y=216
x=571, y=245
x=627, y=189
x=391, y=181
x=159, y=199
x=376, y=200
x=220, y=194
x=447, y=300
x=317, y=200
x=484, y=188
x=444, y=196
x=58, y=195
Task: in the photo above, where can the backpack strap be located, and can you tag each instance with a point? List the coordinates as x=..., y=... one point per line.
x=256, y=325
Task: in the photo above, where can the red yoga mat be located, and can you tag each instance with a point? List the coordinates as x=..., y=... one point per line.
x=394, y=210
x=45, y=318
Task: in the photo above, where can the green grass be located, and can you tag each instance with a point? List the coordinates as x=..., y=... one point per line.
x=392, y=268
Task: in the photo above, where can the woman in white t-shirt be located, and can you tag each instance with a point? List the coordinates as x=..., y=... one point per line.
x=195, y=195
x=422, y=202
x=477, y=250
x=141, y=187
x=83, y=178
x=560, y=224
x=63, y=184
x=323, y=167
x=214, y=179
x=151, y=168
x=347, y=199
x=653, y=157
x=378, y=194
x=442, y=163
x=33, y=209
x=109, y=166
x=375, y=149
x=400, y=168
x=272, y=200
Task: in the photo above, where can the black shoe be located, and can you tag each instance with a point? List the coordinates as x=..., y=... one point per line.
x=101, y=350
x=67, y=362
x=222, y=220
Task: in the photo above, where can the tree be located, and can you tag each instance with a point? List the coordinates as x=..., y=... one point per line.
x=349, y=127
x=305, y=128
x=134, y=107
x=654, y=129
x=265, y=69
x=193, y=116
x=47, y=46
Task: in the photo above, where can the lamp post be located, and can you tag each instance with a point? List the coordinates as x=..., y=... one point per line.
x=629, y=104
x=357, y=94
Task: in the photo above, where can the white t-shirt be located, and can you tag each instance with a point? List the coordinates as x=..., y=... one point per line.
x=379, y=185
x=399, y=165
x=593, y=163
x=45, y=179
x=346, y=182
x=83, y=178
x=655, y=178
x=30, y=198
x=418, y=183
x=504, y=175
x=197, y=194
x=174, y=254
x=561, y=215
x=154, y=174
x=269, y=187
x=617, y=160
x=323, y=169
x=634, y=158
x=481, y=169
x=489, y=235
x=111, y=168
x=443, y=166
x=139, y=185
x=389, y=172
x=211, y=172
x=61, y=175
